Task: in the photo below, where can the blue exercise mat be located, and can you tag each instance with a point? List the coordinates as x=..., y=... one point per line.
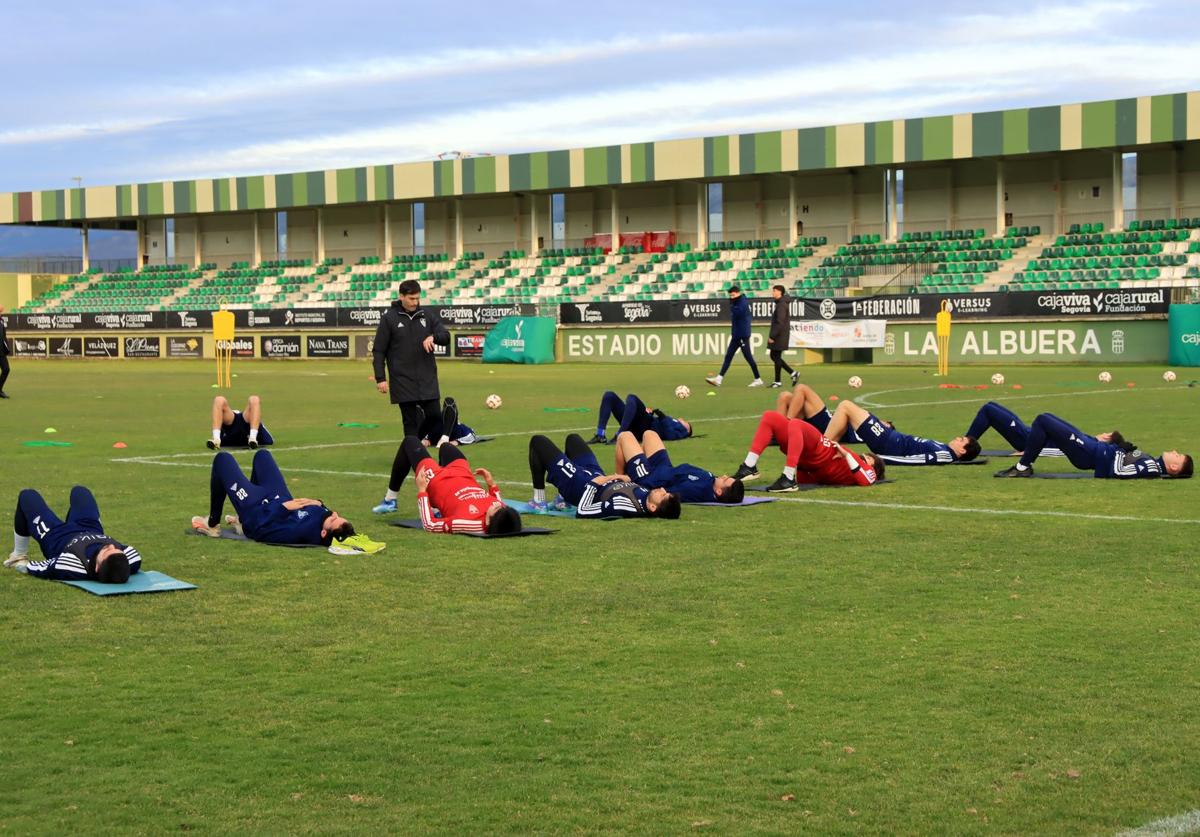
x=147, y=581
x=231, y=535
x=415, y=523
x=890, y=462
x=813, y=486
x=1041, y=455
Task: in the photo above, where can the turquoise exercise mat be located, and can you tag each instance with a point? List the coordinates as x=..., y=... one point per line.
x=528, y=530
x=230, y=535
x=525, y=508
x=1041, y=455
x=147, y=581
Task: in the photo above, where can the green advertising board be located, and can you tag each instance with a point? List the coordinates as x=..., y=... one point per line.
x=1185, y=335
x=1124, y=341
x=520, y=340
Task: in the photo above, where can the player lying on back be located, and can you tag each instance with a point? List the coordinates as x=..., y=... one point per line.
x=582, y=483
x=457, y=434
x=1107, y=456
x=267, y=512
x=811, y=458
x=238, y=429
x=634, y=417
x=995, y=416
x=75, y=549
x=648, y=464
x=449, y=499
x=896, y=447
x=804, y=403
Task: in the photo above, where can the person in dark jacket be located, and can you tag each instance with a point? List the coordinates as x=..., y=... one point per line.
x=3, y=355
x=780, y=335
x=739, y=338
x=404, y=342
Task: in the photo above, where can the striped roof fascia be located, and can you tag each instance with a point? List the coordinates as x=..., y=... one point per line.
x=1117, y=123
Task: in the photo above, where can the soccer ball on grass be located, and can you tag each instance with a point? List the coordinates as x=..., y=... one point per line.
x=855, y=382
x=682, y=391
x=1105, y=377
x=1168, y=376
x=998, y=379
x=493, y=401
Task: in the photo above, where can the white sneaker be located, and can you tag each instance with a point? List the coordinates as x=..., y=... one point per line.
x=233, y=523
x=715, y=380
x=757, y=382
x=16, y=558
x=200, y=524
x=776, y=385
x=213, y=445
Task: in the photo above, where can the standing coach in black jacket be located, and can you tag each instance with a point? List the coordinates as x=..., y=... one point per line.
x=780, y=335
x=405, y=339
x=3, y=355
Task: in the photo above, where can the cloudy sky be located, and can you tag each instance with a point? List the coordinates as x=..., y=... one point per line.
x=126, y=91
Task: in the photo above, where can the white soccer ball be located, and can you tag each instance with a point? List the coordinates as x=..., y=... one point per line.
x=682, y=391
x=1168, y=376
x=493, y=401
x=855, y=382
x=998, y=379
x=1105, y=377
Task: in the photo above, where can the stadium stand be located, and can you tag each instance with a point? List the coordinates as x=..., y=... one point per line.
x=1159, y=252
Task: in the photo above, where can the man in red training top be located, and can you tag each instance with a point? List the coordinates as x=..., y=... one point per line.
x=448, y=488
x=811, y=458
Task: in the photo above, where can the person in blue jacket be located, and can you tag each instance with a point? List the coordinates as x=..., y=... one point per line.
x=739, y=338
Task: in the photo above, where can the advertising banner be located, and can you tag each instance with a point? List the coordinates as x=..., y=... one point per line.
x=837, y=334
x=1130, y=341
x=66, y=347
x=520, y=340
x=334, y=345
x=1184, y=327
x=242, y=346
x=143, y=346
x=1023, y=304
x=29, y=346
x=656, y=345
x=185, y=346
x=101, y=347
x=280, y=345
x=469, y=345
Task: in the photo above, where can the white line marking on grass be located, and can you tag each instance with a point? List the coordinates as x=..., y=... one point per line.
x=867, y=402
x=811, y=500
x=1188, y=823
x=282, y=449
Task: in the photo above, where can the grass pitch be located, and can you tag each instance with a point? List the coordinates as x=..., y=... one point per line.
x=948, y=653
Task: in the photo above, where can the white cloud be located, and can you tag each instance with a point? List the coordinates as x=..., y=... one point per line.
x=59, y=133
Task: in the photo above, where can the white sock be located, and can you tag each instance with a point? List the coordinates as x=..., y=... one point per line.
x=719, y=378
x=253, y=434
x=539, y=495
x=751, y=459
x=442, y=441
x=20, y=544
x=789, y=472
x=1021, y=467
x=217, y=436
x=391, y=495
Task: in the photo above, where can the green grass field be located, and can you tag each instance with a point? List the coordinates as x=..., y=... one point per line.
x=947, y=653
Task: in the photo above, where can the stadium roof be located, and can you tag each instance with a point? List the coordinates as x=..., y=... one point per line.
x=1119, y=123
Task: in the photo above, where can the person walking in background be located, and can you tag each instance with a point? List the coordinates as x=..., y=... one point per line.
x=739, y=338
x=404, y=363
x=3, y=355
x=780, y=335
